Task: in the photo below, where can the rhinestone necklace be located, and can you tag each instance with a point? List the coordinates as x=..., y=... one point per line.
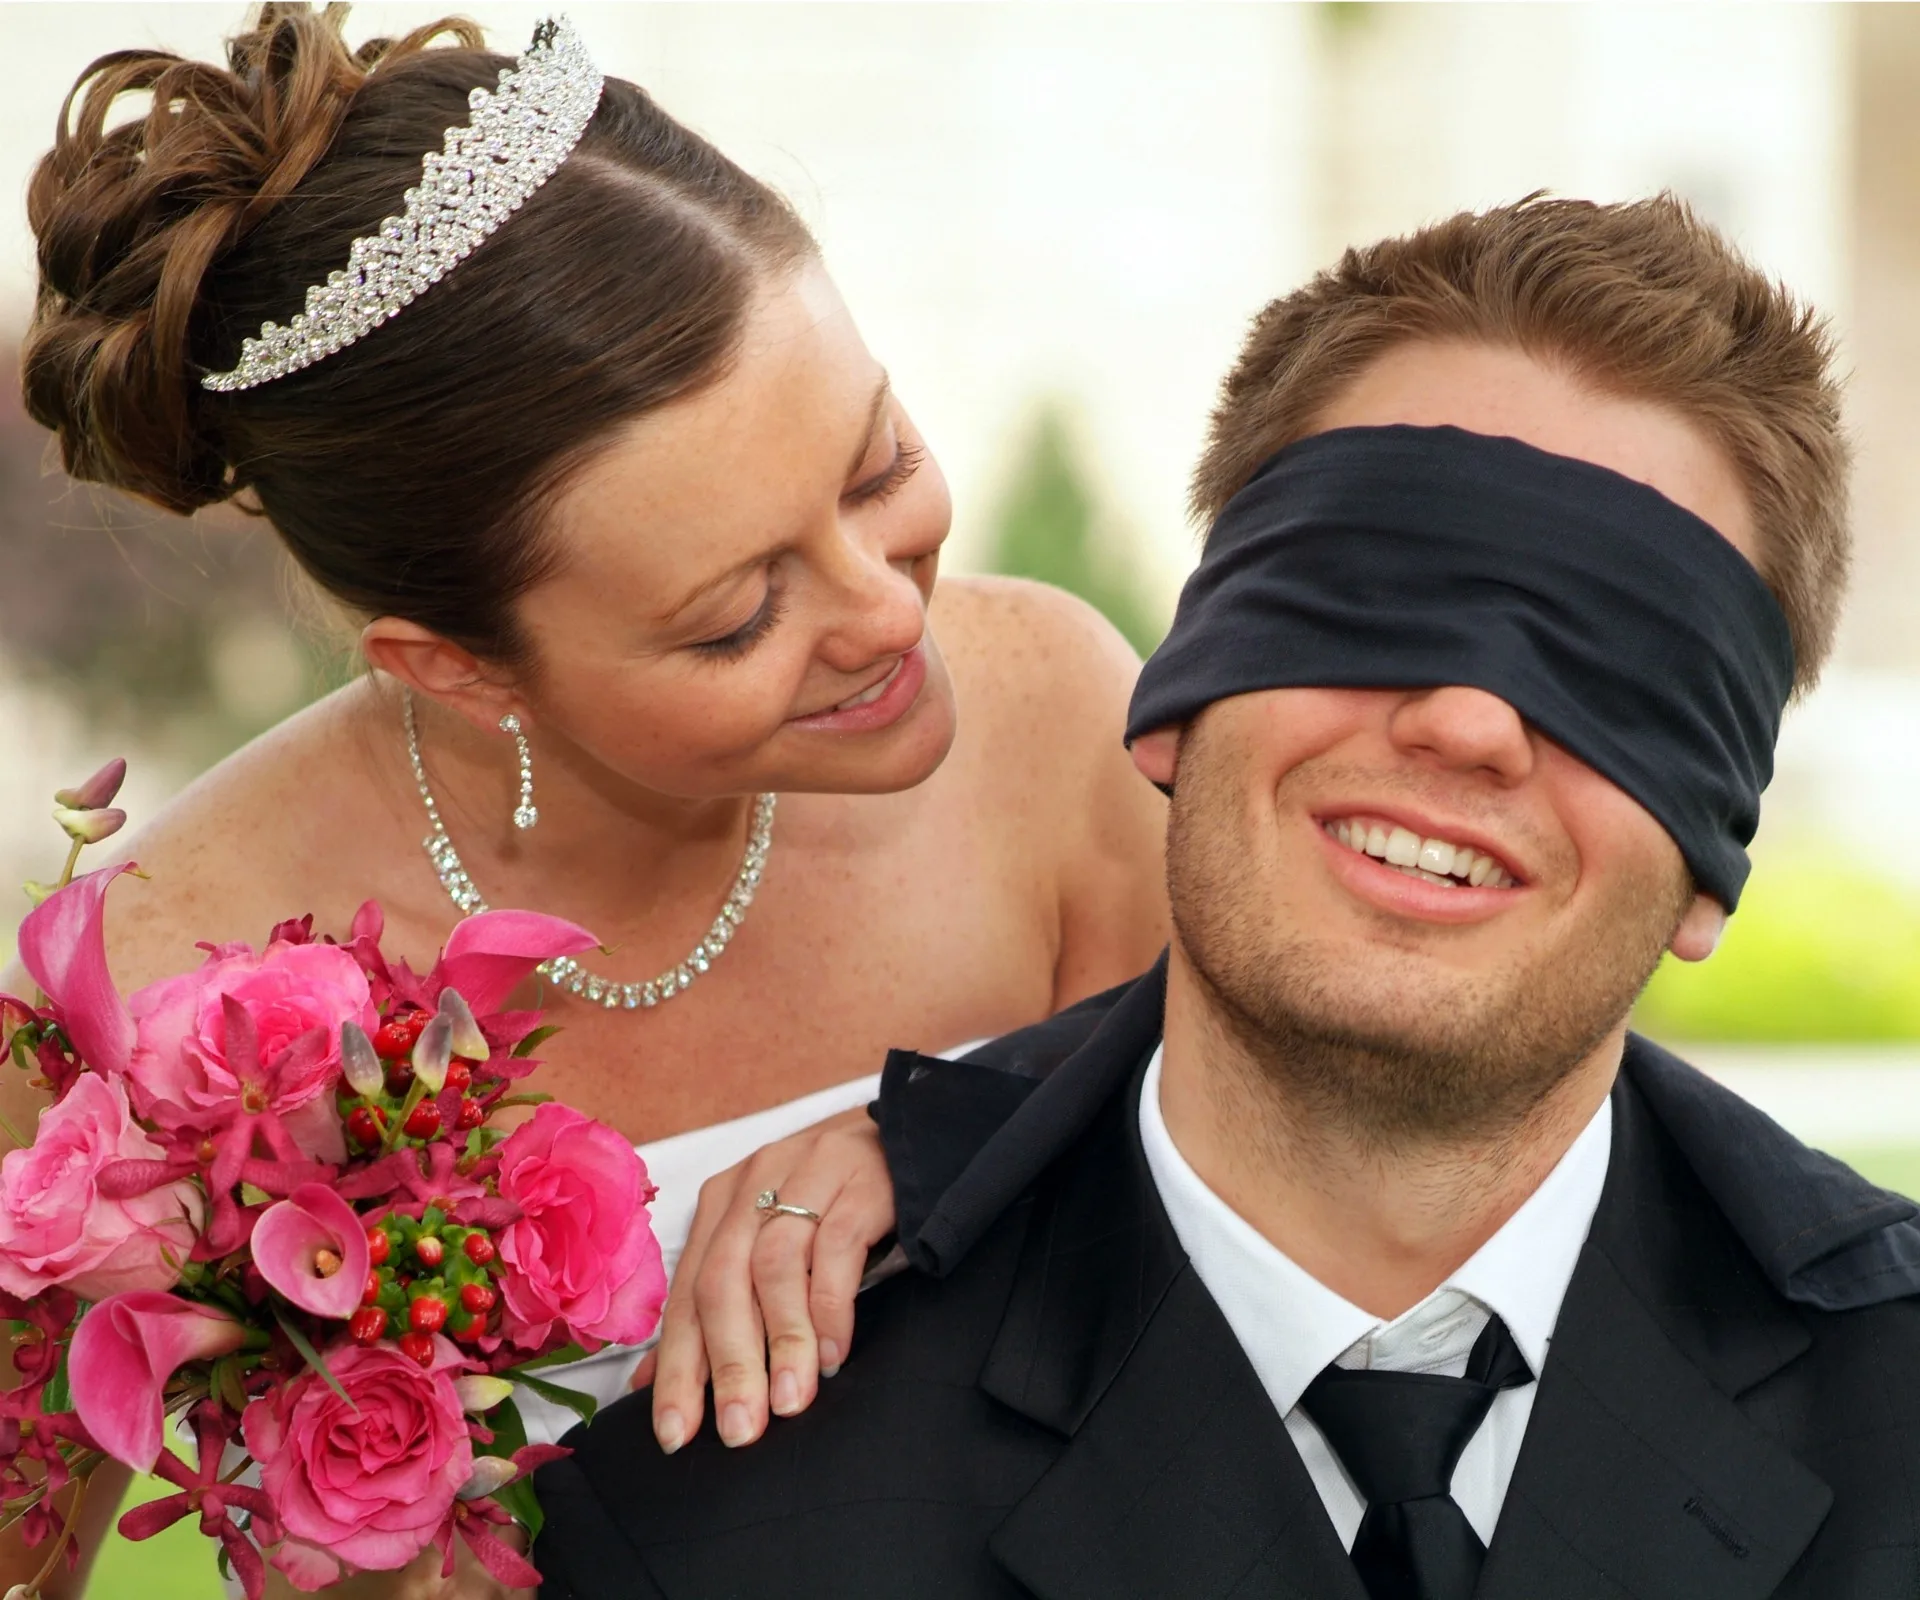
x=564, y=970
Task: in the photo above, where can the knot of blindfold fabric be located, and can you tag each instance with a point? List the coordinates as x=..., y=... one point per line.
x=1400, y=1435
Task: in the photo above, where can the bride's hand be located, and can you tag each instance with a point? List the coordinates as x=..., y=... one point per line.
x=764, y=1304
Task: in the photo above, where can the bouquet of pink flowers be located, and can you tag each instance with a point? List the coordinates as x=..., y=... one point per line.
x=268, y=1199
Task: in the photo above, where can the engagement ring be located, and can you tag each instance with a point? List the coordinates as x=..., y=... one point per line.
x=769, y=1204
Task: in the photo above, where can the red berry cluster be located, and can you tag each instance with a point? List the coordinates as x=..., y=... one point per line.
x=368, y=1119
x=427, y=1277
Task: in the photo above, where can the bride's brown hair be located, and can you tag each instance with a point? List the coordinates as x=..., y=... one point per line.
x=406, y=473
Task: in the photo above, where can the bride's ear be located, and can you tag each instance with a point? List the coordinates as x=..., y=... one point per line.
x=436, y=667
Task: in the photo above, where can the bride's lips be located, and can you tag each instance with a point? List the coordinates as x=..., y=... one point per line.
x=899, y=689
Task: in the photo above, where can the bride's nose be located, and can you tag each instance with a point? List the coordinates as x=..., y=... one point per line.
x=878, y=607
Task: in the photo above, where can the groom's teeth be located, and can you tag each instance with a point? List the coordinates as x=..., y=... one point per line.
x=1435, y=860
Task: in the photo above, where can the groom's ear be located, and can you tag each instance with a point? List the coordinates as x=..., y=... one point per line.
x=1156, y=754
x=1700, y=928
x=436, y=667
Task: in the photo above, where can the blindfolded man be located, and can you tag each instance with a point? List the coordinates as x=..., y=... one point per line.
x=1359, y=1250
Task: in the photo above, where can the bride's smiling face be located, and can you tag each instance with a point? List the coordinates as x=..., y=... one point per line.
x=740, y=600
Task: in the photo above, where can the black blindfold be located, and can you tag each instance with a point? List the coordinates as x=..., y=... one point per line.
x=1624, y=628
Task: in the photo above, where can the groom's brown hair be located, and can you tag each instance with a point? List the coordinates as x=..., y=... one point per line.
x=1641, y=300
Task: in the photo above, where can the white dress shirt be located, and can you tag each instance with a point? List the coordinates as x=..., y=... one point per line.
x=1292, y=1326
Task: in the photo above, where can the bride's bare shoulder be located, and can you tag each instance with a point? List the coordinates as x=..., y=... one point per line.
x=239, y=843
x=1033, y=664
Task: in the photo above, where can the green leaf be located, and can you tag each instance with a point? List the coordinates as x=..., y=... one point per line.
x=519, y=1501
x=553, y=1358
x=534, y=1040
x=58, y=1395
x=311, y=1356
x=517, y=1498
x=229, y=1384
x=581, y=1405
x=253, y=1195
x=509, y=1430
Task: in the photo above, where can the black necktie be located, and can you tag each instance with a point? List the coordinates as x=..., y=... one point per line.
x=1399, y=1435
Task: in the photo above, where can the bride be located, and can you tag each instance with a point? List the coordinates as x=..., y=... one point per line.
x=640, y=539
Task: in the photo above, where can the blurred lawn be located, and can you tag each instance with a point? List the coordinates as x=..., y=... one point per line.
x=1820, y=951
x=175, y=1565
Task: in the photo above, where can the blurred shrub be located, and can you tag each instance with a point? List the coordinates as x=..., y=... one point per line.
x=1049, y=528
x=177, y=629
x=1820, y=949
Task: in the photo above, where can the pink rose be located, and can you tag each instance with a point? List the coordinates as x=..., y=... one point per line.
x=582, y=1253
x=55, y=1226
x=370, y=1486
x=122, y=1355
x=179, y=1073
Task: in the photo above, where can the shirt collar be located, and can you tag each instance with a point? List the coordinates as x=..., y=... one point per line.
x=1292, y=1326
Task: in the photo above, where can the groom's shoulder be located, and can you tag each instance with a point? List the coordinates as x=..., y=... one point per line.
x=1823, y=1237
x=890, y=1483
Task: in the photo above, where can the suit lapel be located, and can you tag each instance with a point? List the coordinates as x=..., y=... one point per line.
x=1178, y=1477
x=1639, y=1474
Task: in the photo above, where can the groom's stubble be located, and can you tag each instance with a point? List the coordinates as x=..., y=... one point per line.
x=1385, y=1047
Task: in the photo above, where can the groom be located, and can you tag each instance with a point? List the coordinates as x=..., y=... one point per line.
x=1358, y=1250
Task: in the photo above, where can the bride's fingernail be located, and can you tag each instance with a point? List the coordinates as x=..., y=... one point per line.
x=671, y=1431
x=786, y=1393
x=829, y=1358
x=736, y=1427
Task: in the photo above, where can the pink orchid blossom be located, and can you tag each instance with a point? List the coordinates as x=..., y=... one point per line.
x=63, y=946
x=312, y=1247
x=476, y=1515
x=123, y=1353
x=202, y=1491
x=257, y=1110
x=58, y=1225
x=185, y=1070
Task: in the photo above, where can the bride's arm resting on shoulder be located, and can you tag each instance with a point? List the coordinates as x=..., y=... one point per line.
x=763, y=1308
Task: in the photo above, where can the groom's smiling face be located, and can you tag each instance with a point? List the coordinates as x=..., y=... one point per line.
x=1418, y=907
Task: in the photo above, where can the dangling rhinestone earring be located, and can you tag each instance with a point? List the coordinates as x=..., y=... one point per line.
x=526, y=814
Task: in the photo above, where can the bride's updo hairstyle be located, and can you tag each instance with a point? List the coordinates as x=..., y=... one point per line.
x=407, y=472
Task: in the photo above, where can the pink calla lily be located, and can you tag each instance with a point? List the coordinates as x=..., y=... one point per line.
x=123, y=1353
x=312, y=1248
x=488, y=955
x=63, y=945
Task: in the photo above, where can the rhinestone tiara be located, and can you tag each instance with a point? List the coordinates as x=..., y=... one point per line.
x=515, y=140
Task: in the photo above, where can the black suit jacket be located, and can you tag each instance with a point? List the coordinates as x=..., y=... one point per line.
x=1053, y=1406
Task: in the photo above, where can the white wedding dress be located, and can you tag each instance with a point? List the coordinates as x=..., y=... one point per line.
x=678, y=1166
